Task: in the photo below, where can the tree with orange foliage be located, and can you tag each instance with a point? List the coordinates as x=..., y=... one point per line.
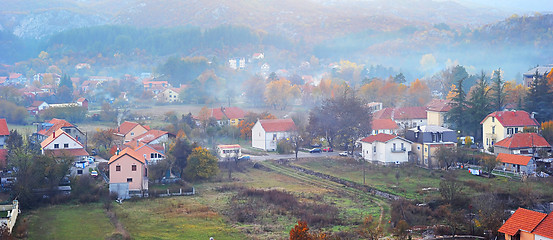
x=249, y=120
x=280, y=93
x=546, y=130
x=391, y=93
x=370, y=229
x=515, y=93
x=418, y=93
x=301, y=232
x=369, y=91
x=204, y=115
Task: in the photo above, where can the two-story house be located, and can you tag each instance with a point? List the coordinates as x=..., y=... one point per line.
x=522, y=143
x=436, y=111
x=153, y=153
x=427, y=140
x=527, y=224
x=61, y=144
x=47, y=128
x=128, y=174
x=266, y=133
x=501, y=124
x=385, y=149
x=129, y=130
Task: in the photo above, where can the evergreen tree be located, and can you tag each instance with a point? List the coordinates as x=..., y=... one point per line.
x=479, y=106
x=540, y=98
x=457, y=116
x=66, y=81
x=498, y=91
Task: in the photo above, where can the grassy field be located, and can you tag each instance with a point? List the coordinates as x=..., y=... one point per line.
x=88, y=221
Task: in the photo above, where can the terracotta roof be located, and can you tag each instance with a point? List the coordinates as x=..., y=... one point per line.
x=72, y=152
x=149, y=136
x=513, y=118
x=229, y=146
x=385, y=113
x=522, y=219
x=277, y=125
x=4, y=131
x=438, y=105
x=410, y=113
x=381, y=137
x=130, y=152
x=37, y=103
x=229, y=113
x=81, y=99
x=378, y=124
x=523, y=140
x=513, y=159
x=126, y=127
x=545, y=228
x=57, y=124
x=57, y=134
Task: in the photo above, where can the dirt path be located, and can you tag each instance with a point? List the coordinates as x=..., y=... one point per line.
x=119, y=228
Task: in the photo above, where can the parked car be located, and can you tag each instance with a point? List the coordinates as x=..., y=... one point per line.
x=245, y=157
x=315, y=150
x=328, y=149
x=343, y=154
x=94, y=174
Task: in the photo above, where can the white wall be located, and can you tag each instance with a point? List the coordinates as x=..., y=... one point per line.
x=62, y=140
x=258, y=136
x=384, y=152
x=538, y=237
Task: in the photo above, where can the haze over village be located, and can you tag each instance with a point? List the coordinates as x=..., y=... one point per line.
x=311, y=119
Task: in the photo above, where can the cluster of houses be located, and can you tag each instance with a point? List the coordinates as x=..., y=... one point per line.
x=528, y=224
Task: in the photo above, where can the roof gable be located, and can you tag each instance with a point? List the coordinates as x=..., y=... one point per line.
x=4, y=131
x=129, y=152
x=438, y=105
x=523, y=140
x=410, y=113
x=126, y=127
x=58, y=133
x=513, y=118
x=149, y=136
x=513, y=159
x=277, y=125
x=56, y=125
x=522, y=219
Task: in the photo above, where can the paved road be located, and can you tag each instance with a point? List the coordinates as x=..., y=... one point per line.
x=300, y=155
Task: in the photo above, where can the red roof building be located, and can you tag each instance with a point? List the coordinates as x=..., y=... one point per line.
x=381, y=137
x=513, y=118
x=405, y=117
x=152, y=137
x=384, y=126
x=516, y=163
x=129, y=130
x=525, y=224
x=4, y=131
x=278, y=125
x=522, y=143
x=227, y=115
x=502, y=124
x=266, y=133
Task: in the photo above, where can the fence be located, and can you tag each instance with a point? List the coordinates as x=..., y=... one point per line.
x=12, y=213
x=507, y=174
x=168, y=193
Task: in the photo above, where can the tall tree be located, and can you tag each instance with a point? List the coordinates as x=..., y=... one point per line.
x=498, y=91
x=457, y=115
x=201, y=164
x=540, y=98
x=478, y=107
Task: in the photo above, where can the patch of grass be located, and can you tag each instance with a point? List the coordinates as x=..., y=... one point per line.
x=173, y=218
x=88, y=221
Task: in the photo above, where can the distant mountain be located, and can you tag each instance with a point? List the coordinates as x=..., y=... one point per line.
x=313, y=20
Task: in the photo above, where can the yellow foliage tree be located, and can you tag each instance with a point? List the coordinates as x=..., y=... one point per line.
x=280, y=93
x=452, y=93
x=418, y=93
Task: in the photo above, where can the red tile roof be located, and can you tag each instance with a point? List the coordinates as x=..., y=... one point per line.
x=513, y=159
x=4, y=131
x=522, y=219
x=37, y=103
x=15, y=75
x=545, y=228
x=277, y=125
x=126, y=127
x=378, y=124
x=513, y=118
x=523, y=140
x=401, y=113
x=381, y=137
x=73, y=152
x=149, y=136
x=57, y=124
x=229, y=146
x=81, y=99
x=130, y=152
x=438, y=105
x=385, y=113
x=229, y=113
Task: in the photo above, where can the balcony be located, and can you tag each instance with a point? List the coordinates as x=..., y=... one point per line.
x=398, y=150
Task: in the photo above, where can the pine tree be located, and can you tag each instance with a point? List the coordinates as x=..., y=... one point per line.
x=498, y=91
x=457, y=115
x=479, y=106
x=540, y=98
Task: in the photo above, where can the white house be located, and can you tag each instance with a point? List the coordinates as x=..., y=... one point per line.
x=385, y=149
x=60, y=144
x=232, y=151
x=267, y=132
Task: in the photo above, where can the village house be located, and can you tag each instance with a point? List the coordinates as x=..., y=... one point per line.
x=374, y=106
x=37, y=107
x=4, y=135
x=83, y=102
x=426, y=140
x=387, y=126
x=155, y=87
x=266, y=133
x=153, y=153
x=232, y=151
x=405, y=117
x=226, y=115
x=61, y=144
x=436, y=111
x=169, y=95
x=522, y=143
x=128, y=174
x=529, y=77
x=129, y=130
x=385, y=149
x=45, y=130
x=527, y=224
x=501, y=124
x=517, y=163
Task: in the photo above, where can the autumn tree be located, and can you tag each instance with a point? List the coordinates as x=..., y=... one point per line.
x=546, y=130
x=515, y=94
x=370, y=229
x=418, y=94
x=245, y=125
x=370, y=91
x=279, y=94
x=402, y=230
x=448, y=156
x=301, y=232
x=201, y=164
x=103, y=138
x=488, y=163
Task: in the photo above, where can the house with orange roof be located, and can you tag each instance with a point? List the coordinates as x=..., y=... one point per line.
x=266, y=133
x=36, y=107
x=385, y=149
x=227, y=115
x=154, y=136
x=501, y=124
x=526, y=224
x=155, y=87
x=153, y=153
x=4, y=133
x=128, y=174
x=436, y=111
x=405, y=117
x=83, y=102
x=387, y=126
x=45, y=129
x=517, y=163
x=522, y=143
x=129, y=130
x=60, y=144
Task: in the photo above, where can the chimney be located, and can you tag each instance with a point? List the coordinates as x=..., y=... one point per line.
x=117, y=152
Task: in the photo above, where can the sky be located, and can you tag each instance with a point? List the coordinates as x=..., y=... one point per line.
x=515, y=6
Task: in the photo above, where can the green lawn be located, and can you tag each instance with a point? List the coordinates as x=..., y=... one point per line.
x=88, y=221
x=173, y=218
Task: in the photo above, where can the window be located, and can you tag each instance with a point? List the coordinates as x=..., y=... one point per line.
x=394, y=146
x=374, y=149
x=132, y=134
x=493, y=119
x=56, y=145
x=510, y=130
x=66, y=145
x=129, y=179
x=516, y=130
x=493, y=130
x=402, y=147
x=118, y=168
x=133, y=168
x=274, y=136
